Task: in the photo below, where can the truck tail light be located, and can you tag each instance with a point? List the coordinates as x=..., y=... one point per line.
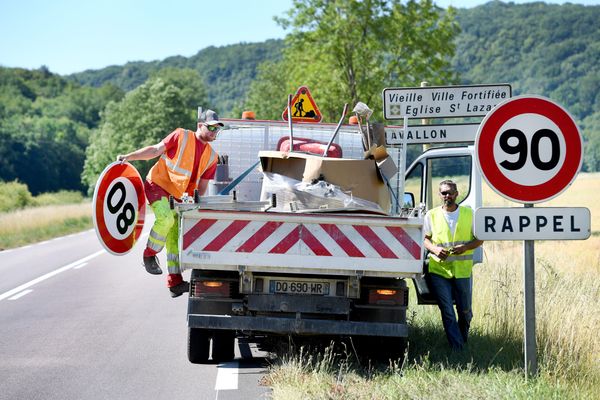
x=211, y=288
x=388, y=297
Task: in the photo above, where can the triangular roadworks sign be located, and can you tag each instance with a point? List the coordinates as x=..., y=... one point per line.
x=304, y=108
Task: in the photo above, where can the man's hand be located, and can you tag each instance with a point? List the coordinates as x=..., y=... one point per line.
x=441, y=252
x=121, y=158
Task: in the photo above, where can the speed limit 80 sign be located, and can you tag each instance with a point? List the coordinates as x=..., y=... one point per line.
x=119, y=207
x=529, y=149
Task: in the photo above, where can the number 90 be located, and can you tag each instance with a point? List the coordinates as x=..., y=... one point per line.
x=521, y=148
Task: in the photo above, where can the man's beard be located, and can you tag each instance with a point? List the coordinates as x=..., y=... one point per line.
x=448, y=203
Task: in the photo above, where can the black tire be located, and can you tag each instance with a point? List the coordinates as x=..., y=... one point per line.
x=198, y=345
x=223, y=348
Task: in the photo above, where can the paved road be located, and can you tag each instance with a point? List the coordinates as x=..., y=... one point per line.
x=79, y=323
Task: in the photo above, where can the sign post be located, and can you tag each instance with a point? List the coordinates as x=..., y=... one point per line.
x=529, y=304
x=529, y=150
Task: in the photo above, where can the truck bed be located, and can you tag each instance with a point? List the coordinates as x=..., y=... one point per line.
x=310, y=243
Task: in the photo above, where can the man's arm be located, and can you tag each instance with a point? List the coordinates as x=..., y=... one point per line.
x=202, y=186
x=461, y=248
x=145, y=153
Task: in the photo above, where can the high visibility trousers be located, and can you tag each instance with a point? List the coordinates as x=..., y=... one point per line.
x=165, y=231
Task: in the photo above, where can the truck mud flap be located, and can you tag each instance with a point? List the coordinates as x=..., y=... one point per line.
x=297, y=326
x=422, y=288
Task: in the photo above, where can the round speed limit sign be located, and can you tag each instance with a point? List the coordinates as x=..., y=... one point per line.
x=529, y=149
x=119, y=207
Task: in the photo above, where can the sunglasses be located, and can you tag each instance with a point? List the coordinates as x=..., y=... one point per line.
x=213, y=128
x=447, y=193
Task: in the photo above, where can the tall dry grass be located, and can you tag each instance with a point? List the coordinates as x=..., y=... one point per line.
x=31, y=225
x=567, y=291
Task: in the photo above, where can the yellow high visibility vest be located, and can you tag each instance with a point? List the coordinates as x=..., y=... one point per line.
x=174, y=174
x=459, y=265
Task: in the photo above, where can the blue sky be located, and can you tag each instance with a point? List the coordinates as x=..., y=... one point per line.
x=74, y=35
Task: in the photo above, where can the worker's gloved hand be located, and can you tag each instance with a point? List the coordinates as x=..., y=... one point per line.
x=121, y=158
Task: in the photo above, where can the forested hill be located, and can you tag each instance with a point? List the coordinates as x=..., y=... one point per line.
x=227, y=71
x=547, y=49
x=539, y=48
x=47, y=120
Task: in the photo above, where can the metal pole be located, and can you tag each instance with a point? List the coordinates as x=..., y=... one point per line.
x=529, y=317
x=424, y=121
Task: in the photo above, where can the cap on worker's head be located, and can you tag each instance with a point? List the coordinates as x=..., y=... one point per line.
x=211, y=118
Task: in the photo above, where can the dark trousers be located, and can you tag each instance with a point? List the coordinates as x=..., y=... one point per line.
x=447, y=292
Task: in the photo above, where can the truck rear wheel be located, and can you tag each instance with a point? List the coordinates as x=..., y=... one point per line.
x=198, y=345
x=223, y=346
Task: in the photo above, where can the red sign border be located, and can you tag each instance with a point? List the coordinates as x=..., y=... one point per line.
x=484, y=149
x=111, y=172
x=284, y=114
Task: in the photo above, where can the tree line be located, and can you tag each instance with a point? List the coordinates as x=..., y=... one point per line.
x=60, y=132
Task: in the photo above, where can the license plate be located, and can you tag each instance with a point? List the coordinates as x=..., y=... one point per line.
x=299, y=287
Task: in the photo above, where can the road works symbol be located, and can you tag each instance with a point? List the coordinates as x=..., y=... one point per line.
x=304, y=108
x=119, y=207
x=528, y=149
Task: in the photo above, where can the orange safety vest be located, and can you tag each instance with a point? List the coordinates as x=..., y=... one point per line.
x=174, y=174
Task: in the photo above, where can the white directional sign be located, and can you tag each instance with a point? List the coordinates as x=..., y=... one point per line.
x=544, y=223
x=529, y=149
x=443, y=101
x=451, y=133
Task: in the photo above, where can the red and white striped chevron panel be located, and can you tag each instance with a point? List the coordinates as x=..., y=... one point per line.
x=209, y=238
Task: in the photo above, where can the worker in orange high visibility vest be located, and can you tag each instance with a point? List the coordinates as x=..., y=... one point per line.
x=187, y=162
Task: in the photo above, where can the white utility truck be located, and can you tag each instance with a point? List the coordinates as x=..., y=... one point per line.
x=308, y=244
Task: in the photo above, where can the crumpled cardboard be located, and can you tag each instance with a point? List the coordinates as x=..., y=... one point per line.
x=356, y=177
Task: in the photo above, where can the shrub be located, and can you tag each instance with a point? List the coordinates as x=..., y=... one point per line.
x=14, y=195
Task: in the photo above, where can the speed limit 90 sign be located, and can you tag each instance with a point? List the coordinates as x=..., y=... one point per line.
x=119, y=207
x=528, y=149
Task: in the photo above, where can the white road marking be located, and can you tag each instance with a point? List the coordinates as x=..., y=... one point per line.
x=49, y=275
x=19, y=295
x=80, y=265
x=227, y=376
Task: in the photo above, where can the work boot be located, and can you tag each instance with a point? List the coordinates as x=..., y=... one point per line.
x=180, y=289
x=151, y=265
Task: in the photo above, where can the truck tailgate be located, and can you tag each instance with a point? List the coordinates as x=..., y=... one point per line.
x=320, y=243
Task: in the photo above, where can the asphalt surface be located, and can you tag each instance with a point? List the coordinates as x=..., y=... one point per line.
x=79, y=323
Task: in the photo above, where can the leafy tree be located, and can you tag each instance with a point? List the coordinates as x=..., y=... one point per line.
x=349, y=50
x=45, y=153
x=591, y=146
x=191, y=85
x=144, y=117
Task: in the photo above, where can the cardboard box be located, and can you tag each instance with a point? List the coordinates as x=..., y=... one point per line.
x=359, y=177
x=387, y=167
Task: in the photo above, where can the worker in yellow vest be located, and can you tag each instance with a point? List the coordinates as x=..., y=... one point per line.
x=187, y=162
x=449, y=238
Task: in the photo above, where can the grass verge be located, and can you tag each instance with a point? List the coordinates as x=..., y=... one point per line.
x=567, y=325
x=31, y=225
